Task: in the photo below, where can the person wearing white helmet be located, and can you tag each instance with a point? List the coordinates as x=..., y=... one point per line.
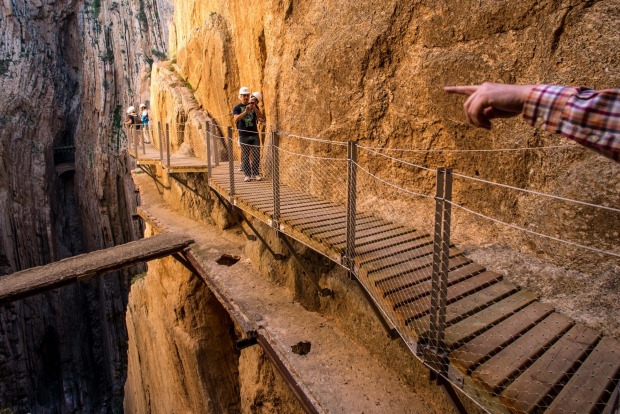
x=132, y=118
x=245, y=116
x=144, y=118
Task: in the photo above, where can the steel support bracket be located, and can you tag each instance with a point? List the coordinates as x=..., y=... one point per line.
x=276, y=256
x=251, y=339
x=323, y=292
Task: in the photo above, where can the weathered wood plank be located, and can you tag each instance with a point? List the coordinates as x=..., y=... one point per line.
x=504, y=366
x=38, y=279
x=479, y=322
x=406, y=301
x=379, y=228
x=546, y=375
x=459, y=264
x=467, y=306
x=481, y=348
x=588, y=390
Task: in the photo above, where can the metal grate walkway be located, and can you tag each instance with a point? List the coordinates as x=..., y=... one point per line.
x=506, y=349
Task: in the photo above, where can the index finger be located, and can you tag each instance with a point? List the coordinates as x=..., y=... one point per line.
x=463, y=90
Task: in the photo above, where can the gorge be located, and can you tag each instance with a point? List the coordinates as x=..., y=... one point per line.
x=365, y=71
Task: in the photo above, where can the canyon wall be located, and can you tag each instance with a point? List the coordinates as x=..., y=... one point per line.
x=68, y=70
x=374, y=72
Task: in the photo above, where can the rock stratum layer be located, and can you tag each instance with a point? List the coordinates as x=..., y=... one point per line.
x=68, y=69
x=374, y=73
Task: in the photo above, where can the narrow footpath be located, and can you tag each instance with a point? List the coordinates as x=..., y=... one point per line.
x=337, y=375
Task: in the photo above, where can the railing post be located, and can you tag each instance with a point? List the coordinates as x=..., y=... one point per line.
x=134, y=141
x=167, y=145
x=231, y=165
x=351, y=204
x=208, y=142
x=275, y=176
x=142, y=139
x=161, y=147
x=216, y=146
x=437, y=355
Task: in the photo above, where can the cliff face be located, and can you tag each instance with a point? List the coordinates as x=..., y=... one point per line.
x=373, y=72
x=68, y=69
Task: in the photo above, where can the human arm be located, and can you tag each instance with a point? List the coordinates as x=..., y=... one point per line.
x=589, y=117
x=239, y=112
x=259, y=114
x=491, y=100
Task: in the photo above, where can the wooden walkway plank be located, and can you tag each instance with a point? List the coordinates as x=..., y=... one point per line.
x=417, y=270
x=467, y=306
x=469, y=356
x=512, y=360
x=380, y=228
x=417, y=239
x=288, y=209
x=590, y=387
x=456, y=273
x=479, y=322
x=363, y=222
x=418, y=274
x=415, y=301
x=384, y=243
x=38, y=279
x=365, y=241
x=310, y=222
x=546, y=376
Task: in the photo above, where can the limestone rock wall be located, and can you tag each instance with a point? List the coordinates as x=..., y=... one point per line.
x=68, y=70
x=373, y=72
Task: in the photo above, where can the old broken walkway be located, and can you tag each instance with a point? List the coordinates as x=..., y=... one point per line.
x=492, y=340
x=85, y=266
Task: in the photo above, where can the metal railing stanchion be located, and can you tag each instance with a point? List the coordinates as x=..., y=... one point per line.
x=216, y=147
x=275, y=176
x=143, y=140
x=208, y=142
x=161, y=147
x=167, y=145
x=436, y=355
x=231, y=163
x=134, y=141
x=349, y=254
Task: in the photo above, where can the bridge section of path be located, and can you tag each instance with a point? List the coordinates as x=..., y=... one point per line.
x=85, y=266
x=505, y=349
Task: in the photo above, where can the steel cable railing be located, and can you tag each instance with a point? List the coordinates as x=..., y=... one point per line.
x=391, y=220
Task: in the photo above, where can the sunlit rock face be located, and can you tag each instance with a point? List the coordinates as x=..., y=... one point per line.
x=68, y=70
x=374, y=72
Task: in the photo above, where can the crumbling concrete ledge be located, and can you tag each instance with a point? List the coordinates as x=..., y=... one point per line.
x=337, y=375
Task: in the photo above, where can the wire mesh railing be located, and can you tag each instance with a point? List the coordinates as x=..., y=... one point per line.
x=392, y=221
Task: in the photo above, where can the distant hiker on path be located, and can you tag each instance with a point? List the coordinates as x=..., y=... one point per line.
x=587, y=116
x=245, y=117
x=144, y=119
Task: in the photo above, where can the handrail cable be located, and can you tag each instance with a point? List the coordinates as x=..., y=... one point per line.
x=325, y=141
x=310, y=156
x=396, y=159
x=391, y=184
x=537, y=193
x=533, y=232
x=476, y=150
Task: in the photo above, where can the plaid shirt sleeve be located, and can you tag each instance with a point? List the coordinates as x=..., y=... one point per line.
x=590, y=117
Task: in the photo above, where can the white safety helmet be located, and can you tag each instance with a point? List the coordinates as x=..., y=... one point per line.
x=258, y=96
x=142, y=105
x=131, y=109
x=244, y=90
